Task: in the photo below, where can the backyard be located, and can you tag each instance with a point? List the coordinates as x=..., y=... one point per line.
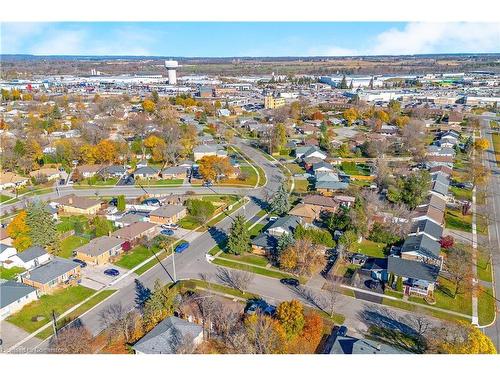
x=370, y=248
x=11, y=273
x=71, y=243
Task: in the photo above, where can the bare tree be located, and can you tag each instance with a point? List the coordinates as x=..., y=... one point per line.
x=459, y=268
x=234, y=278
x=421, y=326
x=330, y=298
x=115, y=319
x=73, y=339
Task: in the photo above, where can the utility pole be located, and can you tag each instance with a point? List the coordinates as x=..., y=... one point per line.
x=54, y=324
x=173, y=262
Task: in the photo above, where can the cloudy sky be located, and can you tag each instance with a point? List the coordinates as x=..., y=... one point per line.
x=212, y=39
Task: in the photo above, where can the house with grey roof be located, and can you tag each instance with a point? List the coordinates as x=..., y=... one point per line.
x=146, y=173
x=13, y=296
x=428, y=228
x=28, y=259
x=6, y=251
x=110, y=171
x=322, y=166
x=418, y=277
x=285, y=224
x=264, y=243
x=175, y=172
x=168, y=214
x=169, y=337
x=439, y=188
x=353, y=345
x=303, y=152
x=48, y=277
x=422, y=248
x=101, y=249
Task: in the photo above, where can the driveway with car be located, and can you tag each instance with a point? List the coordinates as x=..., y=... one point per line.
x=93, y=276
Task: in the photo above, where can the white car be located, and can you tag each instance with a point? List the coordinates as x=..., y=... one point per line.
x=273, y=218
x=170, y=226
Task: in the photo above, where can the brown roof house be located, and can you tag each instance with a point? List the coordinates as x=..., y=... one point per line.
x=100, y=250
x=135, y=231
x=89, y=170
x=320, y=201
x=48, y=277
x=73, y=204
x=308, y=213
x=167, y=214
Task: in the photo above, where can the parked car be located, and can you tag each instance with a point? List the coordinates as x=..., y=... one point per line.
x=113, y=202
x=80, y=262
x=373, y=284
x=208, y=184
x=260, y=306
x=273, y=218
x=167, y=232
x=290, y=281
x=111, y=272
x=181, y=247
x=342, y=331
x=170, y=226
x=151, y=202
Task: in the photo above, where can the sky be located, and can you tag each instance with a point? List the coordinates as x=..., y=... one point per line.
x=238, y=39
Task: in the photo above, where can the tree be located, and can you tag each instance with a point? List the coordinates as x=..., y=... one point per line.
x=402, y=121
x=302, y=258
x=279, y=136
x=42, y=227
x=148, y=106
x=288, y=258
x=105, y=151
x=118, y=322
x=238, y=241
x=120, y=203
x=142, y=294
x=348, y=239
x=264, y=335
x=343, y=83
x=284, y=241
x=155, y=97
x=212, y=167
x=394, y=106
x=350, y=115
x=481, y=144
x=157, y=147
x=330, y=298
x=102, y=226
x=460, y=338
x=291, y=316
x=72, y=339
x=19, y=232
x=446, y=242
x=478, y=173
x=200, y=210
x=280, y=204
x=234, y=278
x=309, y=339
x=457, y=263
x=160, y=304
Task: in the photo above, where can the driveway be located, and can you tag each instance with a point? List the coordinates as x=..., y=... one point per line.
x=10, y=334
x=186, y=234
x=93, y=276
x=361, y=280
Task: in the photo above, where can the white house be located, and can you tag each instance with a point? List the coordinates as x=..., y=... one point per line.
x=28, y=259
x=13, y=296
x=6, y=251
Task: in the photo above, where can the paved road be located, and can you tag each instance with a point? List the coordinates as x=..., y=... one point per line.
x=493, y=205
x=191, y=263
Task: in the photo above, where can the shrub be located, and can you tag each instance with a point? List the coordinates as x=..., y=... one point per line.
x=380, y=233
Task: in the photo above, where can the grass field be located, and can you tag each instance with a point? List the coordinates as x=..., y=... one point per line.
x=71, y=243
x=173, y=182
x=4, y=198
x=260, y=271
x=60, y=301
x=256, y=260
x=496, y=146
x=94, y=182
x=301, y=186
x=461, y=194
x=352, y=168
x=486, y=306
x=455, y=220
x=11, y=273
x=370, y=248
x=136, y=256
x=67, y=223
x=484, y=268
x=445, y=299
x=409, y=307
x=160, y=254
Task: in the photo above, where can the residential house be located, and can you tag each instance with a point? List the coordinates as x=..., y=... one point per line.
x=264, y=243
x=6, y=252
x=308, y=151
x=73, y=204
x=388, y=130
x=28, y=259
x=14, y=296
x=428, y=228
x=177, y=172
x=285, y=224
x=208, y=150
x=130, y=218
x=166, y=337
x=308, y=213
x=50, y=173
x=52, y=275
x=354, y=345
x=422, y=248
x=441, y=169
x=322, y=167
x=439, y=188
x=329, y=182
x=310, y=161
x=112, y=171
x=324, y=204
x=167, y=214
x=344, y=200
x=418, y=277
x=135, y=231
x=89, y=170
x=146, y=173
x=10, y=180
x=100, y=250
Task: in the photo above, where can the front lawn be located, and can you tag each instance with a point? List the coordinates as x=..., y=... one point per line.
x=188, y=222
x=67, y=223
x=11, y=273
x=256, y=260
x=160, y=182
x=4, y=198
x=71, y=243
x=461, y=194
x=486, y=306
x=261, y=271
x=92, y=181
x=484, y=267
x=455, y=220
x=60, y=301
x=370, y=248
x=301, y=186
x=496, y=147
x=444, y=295
x=346, y=270
x=250, y=179
x=136, y=256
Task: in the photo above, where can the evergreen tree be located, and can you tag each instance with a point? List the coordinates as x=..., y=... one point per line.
x=350, y=86
x=42, y=227
x=120, y=204
x=160, y=304
x=239, y=238
x=284, y=241
x=370, y=85
x=281, y=202
x=343, y=83
x=142, y=294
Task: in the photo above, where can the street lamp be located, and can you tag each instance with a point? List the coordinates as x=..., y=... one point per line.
x=173, y=262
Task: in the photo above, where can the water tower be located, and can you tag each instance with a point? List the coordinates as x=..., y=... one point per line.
x=171, y=66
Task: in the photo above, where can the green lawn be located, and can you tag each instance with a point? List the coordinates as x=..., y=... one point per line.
x=261, y=271
x=71, y=243
x=160, y=254
x=486, y=306
x=193, y=284
x=455, y=220
x=393, y=293
x=160, y=182
x=136, y=256
x=461, y=194
x=188, y=222
x=482, y=224
x=496, y=146
x=67, y=223
x=76, y=313
x=11, y=273
x=60, y=301
x=345, y=269
x=484, y=268
x=462, y=303
x=257, y=228
x=301, y=186
x=352, y=168
x=409, y=307
x=4, y=198
x=295, y=168
x=256, y=260
x=370, y=248
x=91, y=181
